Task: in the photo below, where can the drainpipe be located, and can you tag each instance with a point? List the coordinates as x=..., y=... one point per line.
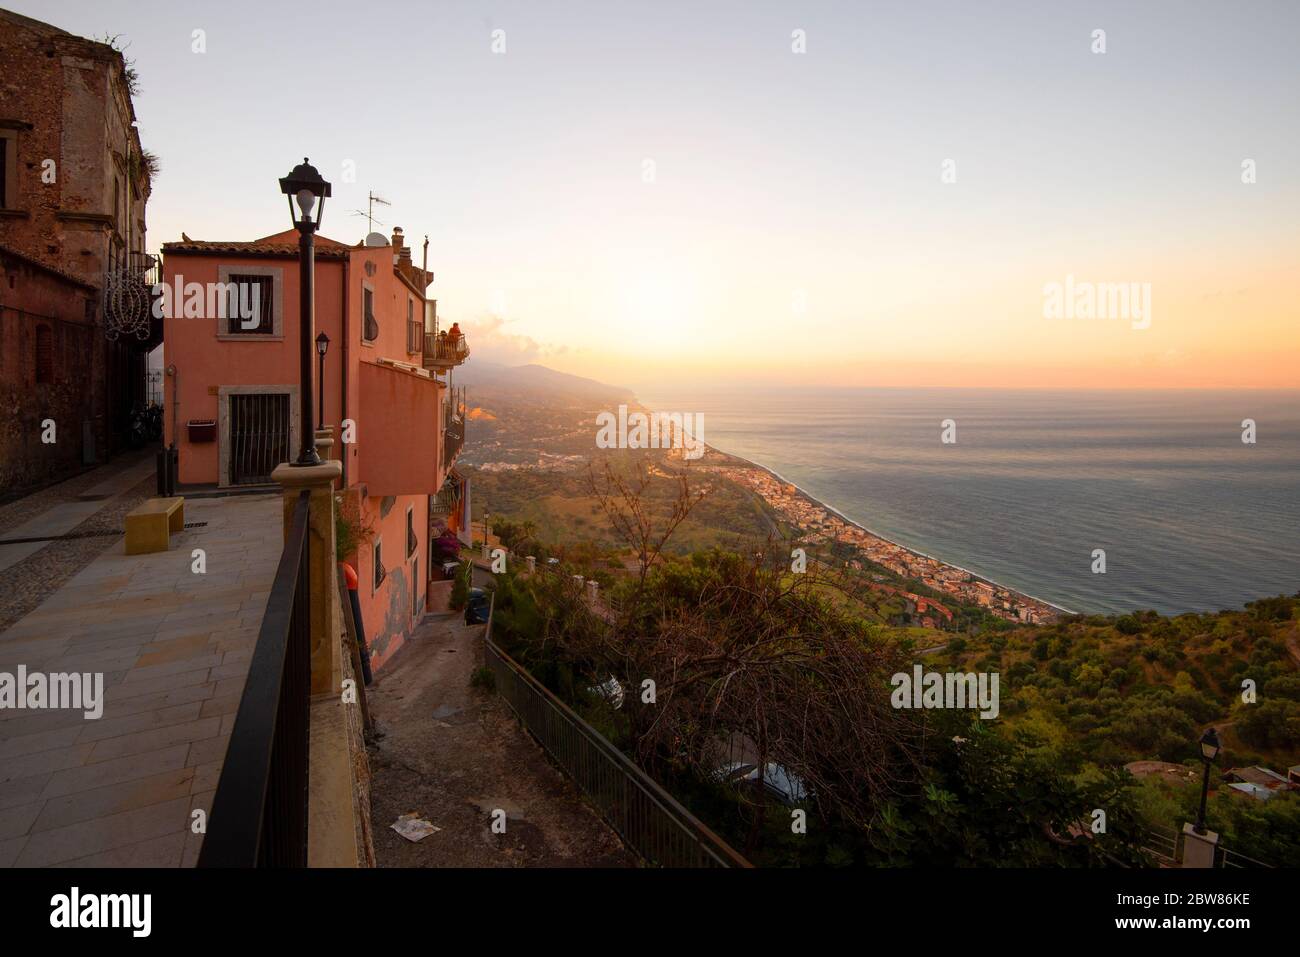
x=343, y=378
x=169, y=458
x=172, y=371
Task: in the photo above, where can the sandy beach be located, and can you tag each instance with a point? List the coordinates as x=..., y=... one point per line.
x=822, y=523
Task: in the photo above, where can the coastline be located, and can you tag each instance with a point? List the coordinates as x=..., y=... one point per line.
x=884, y=538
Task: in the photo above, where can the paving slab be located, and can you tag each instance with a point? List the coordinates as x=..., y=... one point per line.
x=174, y=649
x=123, y=481
x=58, y=520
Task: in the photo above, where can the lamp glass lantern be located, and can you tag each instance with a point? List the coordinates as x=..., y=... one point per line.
x=1210, y=746
x=322, y=346
x=307, y=189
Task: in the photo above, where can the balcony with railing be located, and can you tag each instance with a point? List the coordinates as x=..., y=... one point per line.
x=443, y=351
x=453, y=427
x=443, y=505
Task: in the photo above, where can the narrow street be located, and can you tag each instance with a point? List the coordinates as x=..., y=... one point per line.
x=50, y=535
x=453, y=754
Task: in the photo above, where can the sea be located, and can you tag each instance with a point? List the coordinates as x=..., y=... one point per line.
x=1190, y=517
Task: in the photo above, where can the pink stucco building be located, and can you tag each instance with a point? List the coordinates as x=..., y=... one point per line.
x=232, y=398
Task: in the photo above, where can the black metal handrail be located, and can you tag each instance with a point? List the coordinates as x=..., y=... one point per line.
x=649, y=819
x=259, y=813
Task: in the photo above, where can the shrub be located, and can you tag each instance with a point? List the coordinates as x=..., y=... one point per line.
x=483, y=677
x=460, y=586
x=446, y=547
x=1128, y=625
x=349, y=533
x=1283, y=686
x=1270, y=724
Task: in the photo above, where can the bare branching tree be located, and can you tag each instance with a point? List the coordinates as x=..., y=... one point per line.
x=632, y=513
x=751, y=663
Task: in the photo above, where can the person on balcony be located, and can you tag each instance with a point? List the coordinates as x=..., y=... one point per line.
x=456, y=342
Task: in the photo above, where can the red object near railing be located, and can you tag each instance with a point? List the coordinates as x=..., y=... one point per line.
x=443, y=351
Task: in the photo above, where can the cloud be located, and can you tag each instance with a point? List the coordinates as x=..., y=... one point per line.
x=490, y=340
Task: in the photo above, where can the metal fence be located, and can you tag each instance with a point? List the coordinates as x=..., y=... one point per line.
x=1225, y=857
x=647, y=817
x=1164, y=846
x=259, y=813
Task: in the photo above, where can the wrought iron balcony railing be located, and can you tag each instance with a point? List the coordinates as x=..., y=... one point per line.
x=441, y=351
x=453, y=426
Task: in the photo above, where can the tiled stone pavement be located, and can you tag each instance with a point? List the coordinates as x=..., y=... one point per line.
x=89, y=508
x=174, y=648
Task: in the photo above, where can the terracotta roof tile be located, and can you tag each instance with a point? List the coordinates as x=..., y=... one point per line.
x=279, y=244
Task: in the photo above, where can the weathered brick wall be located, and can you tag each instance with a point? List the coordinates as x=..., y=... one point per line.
x=31, y=94
x=66, y=99
x=32, y=300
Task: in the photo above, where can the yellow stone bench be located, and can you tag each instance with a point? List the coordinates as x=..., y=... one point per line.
x=150, y=524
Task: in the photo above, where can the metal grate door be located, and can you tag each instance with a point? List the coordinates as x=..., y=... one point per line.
x=259, y=436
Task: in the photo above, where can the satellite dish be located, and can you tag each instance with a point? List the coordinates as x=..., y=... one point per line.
x=376, y=239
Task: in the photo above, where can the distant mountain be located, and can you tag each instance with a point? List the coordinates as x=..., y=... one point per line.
x=533, y=379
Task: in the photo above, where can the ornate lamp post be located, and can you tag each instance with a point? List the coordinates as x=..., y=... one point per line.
x=1209, y=751
x=305, y=187
x=322, y=347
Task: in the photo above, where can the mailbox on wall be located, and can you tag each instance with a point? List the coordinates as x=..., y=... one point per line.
x=202, y=430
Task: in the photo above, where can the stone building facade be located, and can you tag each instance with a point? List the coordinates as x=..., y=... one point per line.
x=75, y=327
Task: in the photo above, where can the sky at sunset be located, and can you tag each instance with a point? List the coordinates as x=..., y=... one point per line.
x=668, y=192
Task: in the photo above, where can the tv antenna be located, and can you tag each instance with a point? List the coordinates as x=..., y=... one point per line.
x=370, y=211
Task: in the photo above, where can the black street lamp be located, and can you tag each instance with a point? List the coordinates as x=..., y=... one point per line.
x=322, y=347
x=1209, y=751
x=305, y=187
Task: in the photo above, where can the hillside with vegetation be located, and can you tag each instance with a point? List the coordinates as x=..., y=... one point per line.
x=563, y=511
x=735, y=650
x=793, y=671
x=1092, y=691
x=1142, y=686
